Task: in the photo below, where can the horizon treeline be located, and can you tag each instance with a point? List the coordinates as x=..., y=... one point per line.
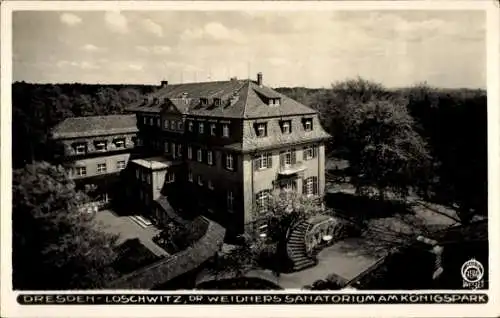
x=451, y=122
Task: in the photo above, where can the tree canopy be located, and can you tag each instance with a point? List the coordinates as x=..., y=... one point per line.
x=55, y=245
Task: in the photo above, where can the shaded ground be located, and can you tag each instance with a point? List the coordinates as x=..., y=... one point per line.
x=347, y=259
x=128, y=229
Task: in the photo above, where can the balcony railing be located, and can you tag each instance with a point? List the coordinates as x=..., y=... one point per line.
x=292, y=168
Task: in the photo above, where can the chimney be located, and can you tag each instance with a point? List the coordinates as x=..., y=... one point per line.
x=259, y=79
x=164, y=84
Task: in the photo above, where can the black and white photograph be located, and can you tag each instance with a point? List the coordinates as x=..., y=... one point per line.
x=222, y=151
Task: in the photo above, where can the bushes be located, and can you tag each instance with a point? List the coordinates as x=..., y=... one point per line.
x=332, y=282
x=177, y=237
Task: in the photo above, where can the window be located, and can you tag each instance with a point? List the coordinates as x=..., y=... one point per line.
x=201, y=127
x=119, y=143
x=179, y=150
x=261, y=130
x=204, y=101
x=145, y=120
x=172, y=124
x=81, y=171
x=100, y=146
x=210, y=185
x=190, y=176
x=151, y=121
x=286, y=126
x=288, y=157
x=200, y=181
x=190, y=152
x=143, y=177
x=263, y=161
x=225, y=130
x=212, y=129
x=149, y=178
x=179, y=125
x=80, y=149
x=230, y=200
x=217, y=101
x=199, y=155
x=140, y=142
x=229, y=162
x=170, y=177
x=310, y=152
x=101, y=168
x=190, y=126
x=274, y=102
x=308, y=124
x=137, y=173
x=120, y=165
x=210, y=159
x=165, y=124
x=158, y=122
x=167, y=146
x=173, y=150
x=310, y=186
x=262, y=201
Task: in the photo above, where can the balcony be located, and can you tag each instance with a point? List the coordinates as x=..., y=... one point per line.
x=287, y=170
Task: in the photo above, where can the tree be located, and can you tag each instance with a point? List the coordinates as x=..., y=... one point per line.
x=454, y=124
x=55, y=245
x=285, y=209
x=383, y=149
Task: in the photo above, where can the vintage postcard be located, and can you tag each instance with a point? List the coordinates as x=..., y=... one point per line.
x=258, y=158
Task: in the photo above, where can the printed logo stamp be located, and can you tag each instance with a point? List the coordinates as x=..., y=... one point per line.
x=472, y=274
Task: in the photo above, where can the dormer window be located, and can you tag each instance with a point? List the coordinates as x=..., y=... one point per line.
x=190, y=126
x=261, y=129
x=308, y=124
x=100, y=145
x=204, y=101
x=217, y=102
x=119, y=143
x=274, y=101
x=286, y=126
x=225, y=130
x=80, y=149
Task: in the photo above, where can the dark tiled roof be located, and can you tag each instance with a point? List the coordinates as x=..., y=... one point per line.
x=250, y=101
x=94, y=126
x=174, y=265
x=275, y=138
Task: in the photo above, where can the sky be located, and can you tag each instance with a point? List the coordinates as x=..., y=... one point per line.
x=306, y=48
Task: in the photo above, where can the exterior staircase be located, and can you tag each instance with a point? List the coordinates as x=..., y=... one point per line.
x=296, y=248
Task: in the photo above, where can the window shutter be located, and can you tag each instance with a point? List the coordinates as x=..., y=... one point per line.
x=315, y=185
x=269, y=160
x=282, y=159
x=255, y=163
x=304, y=186
x=294, y=156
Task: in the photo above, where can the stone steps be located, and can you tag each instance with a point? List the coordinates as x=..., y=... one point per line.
x=297, y=250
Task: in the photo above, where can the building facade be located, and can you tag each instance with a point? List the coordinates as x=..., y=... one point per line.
x=96, y=148
x=233, y=143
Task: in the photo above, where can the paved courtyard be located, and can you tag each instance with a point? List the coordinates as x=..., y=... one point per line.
x=126, y=228
x=343, y=258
